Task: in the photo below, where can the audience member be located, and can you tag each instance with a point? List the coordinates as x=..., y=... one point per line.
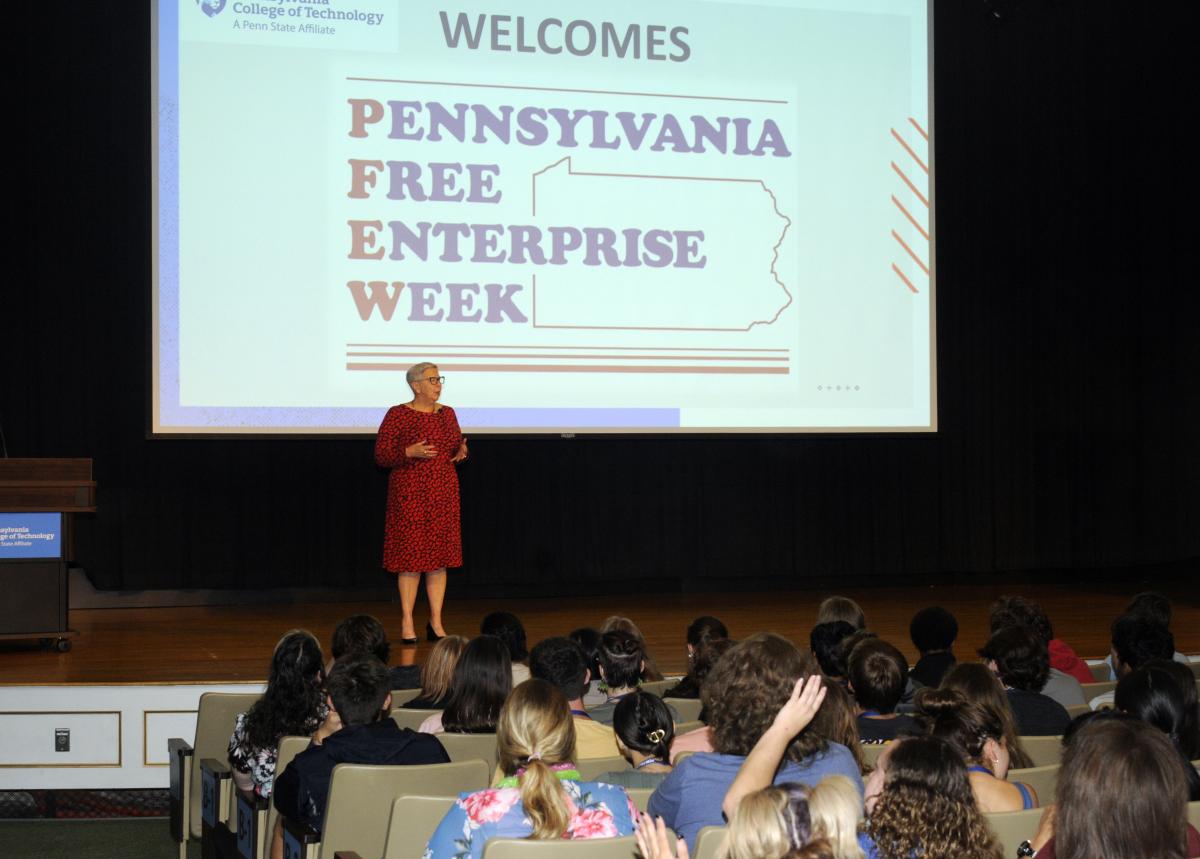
x=1018, y=611
x=700, y=664
x=1021, y=661
x=541, y=796
x=920, y=803
x=437, y=674
x=837, y=721
x=1136, y=640
x=979, y=685
x=561, y=663
x=621, y=664
x=878, y=673
x=841, y=608
x=616, y=623
x=980, y=737
x=1154, y=694
x=836, y=808
x=292, y=705
x=1153, y=605
x=841, y=654
x=363, y=633
x=825, y=640
x=588, y=640
x=743, y=695
x=702, y=630
x=482, y=680
x=933, y=631
x=644, y=731
x=1120, y=793
x=775, y=822
x=359, y=694
x=508, y=628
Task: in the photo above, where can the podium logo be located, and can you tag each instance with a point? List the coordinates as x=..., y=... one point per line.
x=211, y=8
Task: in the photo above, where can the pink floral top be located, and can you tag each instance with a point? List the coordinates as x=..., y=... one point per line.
x=597, y=811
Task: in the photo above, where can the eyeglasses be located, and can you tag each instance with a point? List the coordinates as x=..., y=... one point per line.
x=437, y=380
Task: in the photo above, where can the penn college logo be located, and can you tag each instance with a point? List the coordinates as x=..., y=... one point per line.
x=211, y=8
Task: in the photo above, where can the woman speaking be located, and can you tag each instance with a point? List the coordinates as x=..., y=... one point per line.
x=420, y=441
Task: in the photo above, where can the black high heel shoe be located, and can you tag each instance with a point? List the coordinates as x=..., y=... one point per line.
x=430, y=635
x=410, y=642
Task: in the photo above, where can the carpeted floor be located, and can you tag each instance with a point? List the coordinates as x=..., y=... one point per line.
x=144, y=838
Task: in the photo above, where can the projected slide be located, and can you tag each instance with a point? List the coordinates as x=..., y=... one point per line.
x=683, y=216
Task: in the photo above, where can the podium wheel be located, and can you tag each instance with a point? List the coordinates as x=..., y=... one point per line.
x=63, y=645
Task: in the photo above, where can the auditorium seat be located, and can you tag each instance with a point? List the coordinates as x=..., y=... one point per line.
x=1195, y=666
x=411, y=718
x=1194, y=814
x=710, y=843
x=215, y=718
x=403, y=696
x=657, y=687
x=871, y=753
x=1076, y=710
x=586, y=848
x=640, y=796
x=413, y=821
x=1041, y=779
x=289, y=747
x=1091, y=690
x=1043, y=751
x=682, y=728
x=1100, y=671
x=357, y=813
x=465, y=747
x=592, y=767
x=687, y=709
x=1013, y=827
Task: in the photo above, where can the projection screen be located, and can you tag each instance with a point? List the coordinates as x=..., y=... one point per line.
x=686, y=216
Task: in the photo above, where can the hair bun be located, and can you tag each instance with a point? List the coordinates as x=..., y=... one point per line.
x=934, y=702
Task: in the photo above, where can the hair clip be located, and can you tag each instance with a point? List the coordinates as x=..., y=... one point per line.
x=656, y=736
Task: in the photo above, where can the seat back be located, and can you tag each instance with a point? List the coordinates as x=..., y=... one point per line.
x=1043, y=780
x=1101, y=671
x=1042, y=751
x=1194, y=814
x=657, y=687
x=414, y=820
x=640, y=796
x=871, y=753
x=289, y=747
x=1091, y=690
x=403, y=696
x=361, y=797
x=1013, y=827
x=686, y=709
x=682, y=728
x=410, y=718
x=592, y=767
x=214, y=726
x=710, y=843
x=587, y=848
x=466, y=747
x=1076, y=710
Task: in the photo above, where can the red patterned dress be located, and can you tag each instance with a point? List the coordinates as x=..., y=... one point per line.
x=422, y=531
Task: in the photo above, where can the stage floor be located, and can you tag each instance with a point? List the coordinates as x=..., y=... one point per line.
x=233, y=643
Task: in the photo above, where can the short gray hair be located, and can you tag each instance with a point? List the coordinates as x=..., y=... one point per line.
x=416, y=371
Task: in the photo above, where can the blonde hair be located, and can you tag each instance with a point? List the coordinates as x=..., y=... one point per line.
x=438, y=670
x=772, y=823
x=836, y=808
x=535, y=731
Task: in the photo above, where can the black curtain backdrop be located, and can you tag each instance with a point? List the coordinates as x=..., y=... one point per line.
x=1067, y=353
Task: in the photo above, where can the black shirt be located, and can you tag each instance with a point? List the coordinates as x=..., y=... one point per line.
x=882, y=730
x=1037, y=715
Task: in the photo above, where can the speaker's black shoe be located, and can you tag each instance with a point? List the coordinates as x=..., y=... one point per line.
x=430, y=635
x=409, y=642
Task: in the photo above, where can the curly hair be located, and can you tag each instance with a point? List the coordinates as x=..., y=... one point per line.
x=748, y=686
x=1018, y=611
x=1022, y=658
x=927, y=808
x=295, y=693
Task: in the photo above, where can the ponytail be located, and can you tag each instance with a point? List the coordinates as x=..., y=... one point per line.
x=545, y=805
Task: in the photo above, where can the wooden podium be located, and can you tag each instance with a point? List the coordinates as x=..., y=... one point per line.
x=33, y=559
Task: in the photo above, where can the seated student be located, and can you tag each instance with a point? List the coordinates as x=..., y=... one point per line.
x=980, y=737
x=644, y=731
x=1018, y=611
x=1136, y=640
x=841, y=608
x=1062, y=686
x=702, y=662
x=1120, y=793
x=560, y=662
x=743, y=694
x=825, y=641
x=933, y=631
x=878, y=673
x=293, y=705
x=482, y=680
x=588, y=640
x=437, y=674
x=1021, y=661
x=1162, y=693
x=981, y=687
x=359, y=694
x=508, y=628
x=616, y=623
x=622, y=665
x=363, y=633
x=540, y=796
x=1155, y=606
x=702, y=630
